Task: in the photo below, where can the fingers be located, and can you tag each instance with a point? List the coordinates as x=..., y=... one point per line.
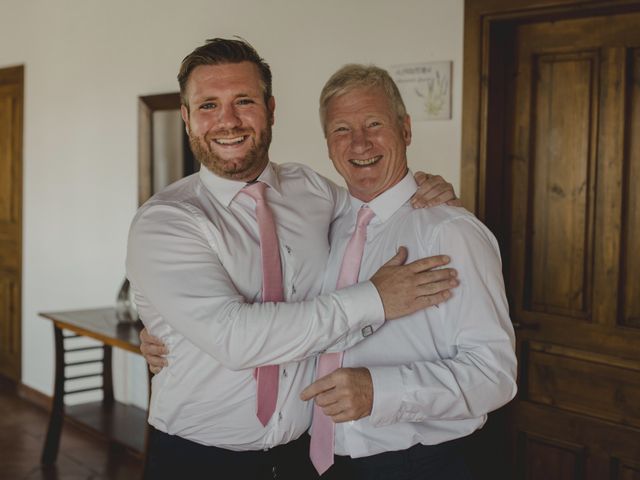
x=156, y=364
x=316, y=388
x=146, y=337
x=398, y=259
x=341, y=412
x=437, y=280
x=433, y=300
x=407, y=288
x=335, y=407
x=153, y=350
x=156, y=361
x=344, y=395
x=345, y=416
x=421, y=177
x=428, y=263
x=433, y=190
x=432, y=288
x=441, y=194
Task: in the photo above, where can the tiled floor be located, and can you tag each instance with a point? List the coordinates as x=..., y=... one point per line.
x=82, y=456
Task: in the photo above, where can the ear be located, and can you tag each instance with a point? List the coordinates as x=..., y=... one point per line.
x=406, y=130
x=184, y=111
x=271, y=107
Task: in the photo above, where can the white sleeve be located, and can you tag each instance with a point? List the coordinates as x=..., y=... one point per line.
x=176, y=272
x=480, y=374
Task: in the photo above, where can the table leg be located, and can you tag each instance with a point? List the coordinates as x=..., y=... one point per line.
x=107, y=377
x=52, y=442
x=145, y=453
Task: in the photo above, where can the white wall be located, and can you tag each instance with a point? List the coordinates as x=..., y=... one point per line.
x=88, y=60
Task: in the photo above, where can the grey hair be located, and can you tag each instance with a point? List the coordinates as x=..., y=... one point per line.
x=354, y=76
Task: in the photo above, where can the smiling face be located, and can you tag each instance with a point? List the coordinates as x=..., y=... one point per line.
x=228, y=121
x=366, y=140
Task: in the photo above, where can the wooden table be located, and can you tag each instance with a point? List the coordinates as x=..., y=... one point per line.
x=120, y=423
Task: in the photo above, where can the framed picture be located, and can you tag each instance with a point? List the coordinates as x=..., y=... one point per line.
x=425, y=89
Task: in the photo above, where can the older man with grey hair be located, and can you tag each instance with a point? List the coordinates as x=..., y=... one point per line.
x=403, y=398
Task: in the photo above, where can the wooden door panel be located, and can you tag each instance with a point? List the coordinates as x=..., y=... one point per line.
x=609, y=444
x=9, y=331
x=8, y=97
x=564, y=92
x=11, y=88
x=611, y=157
x=629, y=472
x=631, y=241
x=584, y=383
x=549, y=459
x=614, y=342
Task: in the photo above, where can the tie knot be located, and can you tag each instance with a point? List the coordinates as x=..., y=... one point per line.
x=255, y=190
x=365, y=214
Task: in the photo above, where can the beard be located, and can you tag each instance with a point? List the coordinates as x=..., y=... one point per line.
x=252, y=163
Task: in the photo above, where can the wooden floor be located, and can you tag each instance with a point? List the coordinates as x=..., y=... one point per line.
x=82, y=455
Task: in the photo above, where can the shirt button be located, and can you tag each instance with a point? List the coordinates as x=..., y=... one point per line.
x=293, y=289
x=279, y=416
x=284, y=373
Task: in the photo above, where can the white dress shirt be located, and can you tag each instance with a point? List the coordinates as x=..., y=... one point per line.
x=194, y=257
x=438, y=372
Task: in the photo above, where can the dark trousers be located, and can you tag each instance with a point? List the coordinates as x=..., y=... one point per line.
x=420, y=462
x=174, y=458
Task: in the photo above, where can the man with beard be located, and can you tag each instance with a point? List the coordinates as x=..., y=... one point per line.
x=194, y=260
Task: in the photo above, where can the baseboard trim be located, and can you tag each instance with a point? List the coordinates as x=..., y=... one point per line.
x=35, y=397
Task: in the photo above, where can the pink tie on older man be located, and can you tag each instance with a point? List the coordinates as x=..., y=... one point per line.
x=267, y=377
x=322, y=428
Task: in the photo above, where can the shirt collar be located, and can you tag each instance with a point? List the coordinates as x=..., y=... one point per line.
x=388, y=202
x=225, y=190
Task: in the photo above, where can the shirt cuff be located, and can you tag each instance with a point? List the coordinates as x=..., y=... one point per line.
x=364, y=313
x=388, y=390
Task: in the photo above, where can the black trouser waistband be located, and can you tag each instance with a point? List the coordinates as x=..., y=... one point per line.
x=442, y=461
x=172, y=457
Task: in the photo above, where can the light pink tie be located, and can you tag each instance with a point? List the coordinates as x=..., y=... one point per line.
x=322, y=428
x=267, y=376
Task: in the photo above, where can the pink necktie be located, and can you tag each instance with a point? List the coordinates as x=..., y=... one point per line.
x=322, y=428
x=267, y=376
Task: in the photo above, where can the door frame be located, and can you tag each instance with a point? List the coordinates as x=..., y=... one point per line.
x=15, y=76
x=488, y=27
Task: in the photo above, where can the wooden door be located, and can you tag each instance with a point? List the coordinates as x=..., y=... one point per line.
x=572, y=182
x=11, y=92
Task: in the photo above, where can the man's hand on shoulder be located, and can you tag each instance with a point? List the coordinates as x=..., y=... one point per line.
x=344, y=395
x=433, y=190
x=405, y=289
x=153, y=351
